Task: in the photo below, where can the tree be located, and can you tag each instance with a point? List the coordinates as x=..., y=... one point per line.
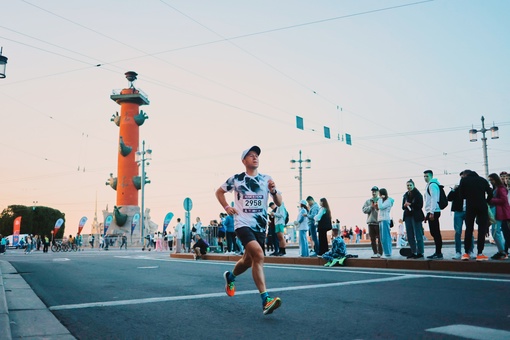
x=34, y=220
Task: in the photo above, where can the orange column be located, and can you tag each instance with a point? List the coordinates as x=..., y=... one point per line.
x=127, y=194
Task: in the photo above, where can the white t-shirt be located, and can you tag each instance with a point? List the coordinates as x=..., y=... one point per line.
x=250, y=200
x=178, y=231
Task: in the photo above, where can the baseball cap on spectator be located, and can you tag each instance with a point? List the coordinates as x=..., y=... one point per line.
x=374, y=188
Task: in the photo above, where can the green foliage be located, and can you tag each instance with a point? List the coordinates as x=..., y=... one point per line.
x=34, y=220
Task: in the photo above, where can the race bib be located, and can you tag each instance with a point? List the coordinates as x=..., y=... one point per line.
x=252, y=203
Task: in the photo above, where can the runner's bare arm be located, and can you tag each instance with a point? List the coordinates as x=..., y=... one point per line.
x=277, y=197
x=220, y=195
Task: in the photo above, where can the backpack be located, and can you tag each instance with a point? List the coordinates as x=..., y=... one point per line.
x=443, y=201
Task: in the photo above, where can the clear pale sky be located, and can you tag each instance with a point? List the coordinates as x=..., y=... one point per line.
x=406, y=79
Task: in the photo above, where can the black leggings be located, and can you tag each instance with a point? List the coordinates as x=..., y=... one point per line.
x=436, y=232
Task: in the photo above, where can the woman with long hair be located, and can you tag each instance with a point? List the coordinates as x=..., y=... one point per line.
x=323, y=220
x=501, y=211
x=383, y=207
x=412, y=204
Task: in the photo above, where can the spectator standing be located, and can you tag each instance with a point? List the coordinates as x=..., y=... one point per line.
x=221, y=232
x=197, y=227
x=228, y=222
x=412, y=204
x=477, y=193
x=373, y=225
x=323, y=220
x=505, y=227
x=91, y=240
x=46, y=243
x=400, y=234
x=313, y=209
x=3, y=244
x=271, y=231
x=303, y=226
x=384, y=205
x=459, y=216
x=357, y=231
x=170, y=241
x=280, y=219
x=501, y=211
x=178, y=236
x=433, y=212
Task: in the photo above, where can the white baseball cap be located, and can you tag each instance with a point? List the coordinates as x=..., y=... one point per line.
x=253, y=148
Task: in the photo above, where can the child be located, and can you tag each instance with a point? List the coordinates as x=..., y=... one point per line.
x=338, y=250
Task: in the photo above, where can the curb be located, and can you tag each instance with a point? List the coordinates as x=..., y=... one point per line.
x=489, y=267
x=5, y=325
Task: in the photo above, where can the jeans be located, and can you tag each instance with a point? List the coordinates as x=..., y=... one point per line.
x=313, y=234
x=384, y=232
x=458, y=220
x=414, y=232
x=498, y=236
x=303, y=243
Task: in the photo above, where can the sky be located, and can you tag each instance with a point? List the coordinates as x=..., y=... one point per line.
x=406, y=79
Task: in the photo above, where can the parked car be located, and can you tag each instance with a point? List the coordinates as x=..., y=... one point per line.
x=17, y=242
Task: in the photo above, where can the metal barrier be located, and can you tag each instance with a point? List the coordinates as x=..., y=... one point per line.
x=210, y=234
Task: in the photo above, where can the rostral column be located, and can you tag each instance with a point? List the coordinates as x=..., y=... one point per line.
x=128, y=182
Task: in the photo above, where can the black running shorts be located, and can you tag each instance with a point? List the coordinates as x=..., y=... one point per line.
x=247, y=234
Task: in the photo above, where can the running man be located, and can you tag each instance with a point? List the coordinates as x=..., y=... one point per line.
x=252, y=191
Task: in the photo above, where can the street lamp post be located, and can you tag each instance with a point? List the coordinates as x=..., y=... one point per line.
x=300, y=167
x=143, y=158
x=494, y=135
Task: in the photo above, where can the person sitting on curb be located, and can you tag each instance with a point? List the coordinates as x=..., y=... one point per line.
x=200, y=247
x=338, y=252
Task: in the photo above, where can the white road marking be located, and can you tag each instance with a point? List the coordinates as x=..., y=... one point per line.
x=472, y=332
x=148, y=267
x=222, y=294
x=62, y=259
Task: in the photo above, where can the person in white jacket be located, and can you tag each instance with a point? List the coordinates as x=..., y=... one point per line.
x=433, y=212
x=384, y=205
x=302, y=225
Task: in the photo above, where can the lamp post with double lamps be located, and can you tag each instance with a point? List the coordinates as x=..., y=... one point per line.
x=473, y=138
x=300, y=161
x=142, y=158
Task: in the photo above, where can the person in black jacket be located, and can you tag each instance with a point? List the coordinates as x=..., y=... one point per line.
x=412, y=204
x=459, y=216
x=477, y=193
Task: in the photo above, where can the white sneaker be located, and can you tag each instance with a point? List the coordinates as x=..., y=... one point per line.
x=457, y=256
x=386, y=257
x=376, y=256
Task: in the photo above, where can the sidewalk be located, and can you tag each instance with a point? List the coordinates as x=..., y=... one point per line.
x=22, y=313
x=364, y=260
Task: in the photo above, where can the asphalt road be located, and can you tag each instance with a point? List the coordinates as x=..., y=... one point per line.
x=141, y=295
